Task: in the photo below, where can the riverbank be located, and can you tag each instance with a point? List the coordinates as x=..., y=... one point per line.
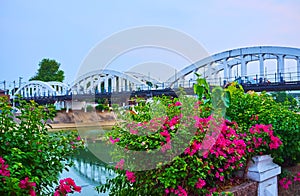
x=80, y=119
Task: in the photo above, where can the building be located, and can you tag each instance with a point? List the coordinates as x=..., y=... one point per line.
x=4, y=93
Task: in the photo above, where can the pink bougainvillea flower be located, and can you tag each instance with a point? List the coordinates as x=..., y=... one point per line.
x=285, y=183
x=178, y=103
x=166, y=134
x=66, y=186
x=120, y=164
x=200, y=183
x=113, y=140
x=166, y=146
x=32, y=192
x=3, y=168
x=26, y=184
x=130, y=176
x=181, y=191
x=275, y=142
x=77, y=188
x=78, y=138
x=134, y=131
x=297, y=177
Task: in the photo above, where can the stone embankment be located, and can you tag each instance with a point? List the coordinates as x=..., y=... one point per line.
x=76, y=119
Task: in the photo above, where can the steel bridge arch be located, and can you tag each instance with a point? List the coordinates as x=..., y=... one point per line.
x=36, y=88
x=89, y=81
x=228, y=59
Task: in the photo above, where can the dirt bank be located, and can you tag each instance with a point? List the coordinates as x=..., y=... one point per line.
x=76, y=119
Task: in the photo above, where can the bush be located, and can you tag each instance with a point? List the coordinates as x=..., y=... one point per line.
x=248, y=109
x=89, y=108
x=100, y=107
x=33, y=156
x=188, y=149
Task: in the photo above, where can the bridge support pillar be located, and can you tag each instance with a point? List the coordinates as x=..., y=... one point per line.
x=226, y=71
x=117, y=84
x=243, y=67
x=125, y=84
x=92, y=89
x=68, y=105
x=122, y=85
x=261, y=66
x=280, y=68
x=298, y=68
x=113, y=84
x=105, y=84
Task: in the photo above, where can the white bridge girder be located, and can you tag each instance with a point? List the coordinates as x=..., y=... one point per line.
x=116, y=81
x=225, y=61
x=42, y=89
x=106, y=81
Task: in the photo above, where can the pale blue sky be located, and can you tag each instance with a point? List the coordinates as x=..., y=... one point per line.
x=67, y=30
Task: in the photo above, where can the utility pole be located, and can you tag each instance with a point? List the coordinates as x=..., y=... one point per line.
x=14, y=87
x=20, y=81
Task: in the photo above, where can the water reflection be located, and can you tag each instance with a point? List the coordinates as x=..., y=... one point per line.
x=88, y=172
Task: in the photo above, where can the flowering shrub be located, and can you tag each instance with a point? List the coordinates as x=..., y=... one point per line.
x=249, y=109
x=25, y=184
x=286, y=179
x=285, y=183
x=198, y=151
x=66, y=186
x=31, y=157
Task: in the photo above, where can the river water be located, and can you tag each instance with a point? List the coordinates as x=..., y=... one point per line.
x=88, y=172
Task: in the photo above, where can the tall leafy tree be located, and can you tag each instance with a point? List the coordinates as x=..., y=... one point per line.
x=49, y=71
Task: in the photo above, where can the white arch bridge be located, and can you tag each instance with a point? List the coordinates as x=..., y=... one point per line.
x=218, y=69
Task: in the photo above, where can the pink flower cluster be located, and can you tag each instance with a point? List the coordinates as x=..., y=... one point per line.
x=285, y=183
x=166, y=134
x=130, y=176
x=260, y=131
x=120, y=164
x=169, y=124
x=146, y=127
x=3, y=168
x=114, y=140
x=25, y=184
x=200, y=183
x=179, y=191
x=66, y=186
x=193, y=148
x=225, y=143
x=297, y=177
x=178, y=103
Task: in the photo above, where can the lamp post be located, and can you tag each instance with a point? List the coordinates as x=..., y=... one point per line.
x=20, y=81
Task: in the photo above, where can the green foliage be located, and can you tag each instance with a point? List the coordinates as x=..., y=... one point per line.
x=287, y=100
x=248, y=109
x=49, y=71
x=89, y=108
x=102, y=107
x=30, y=150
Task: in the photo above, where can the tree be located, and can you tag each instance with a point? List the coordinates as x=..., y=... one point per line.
x=49, y=71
